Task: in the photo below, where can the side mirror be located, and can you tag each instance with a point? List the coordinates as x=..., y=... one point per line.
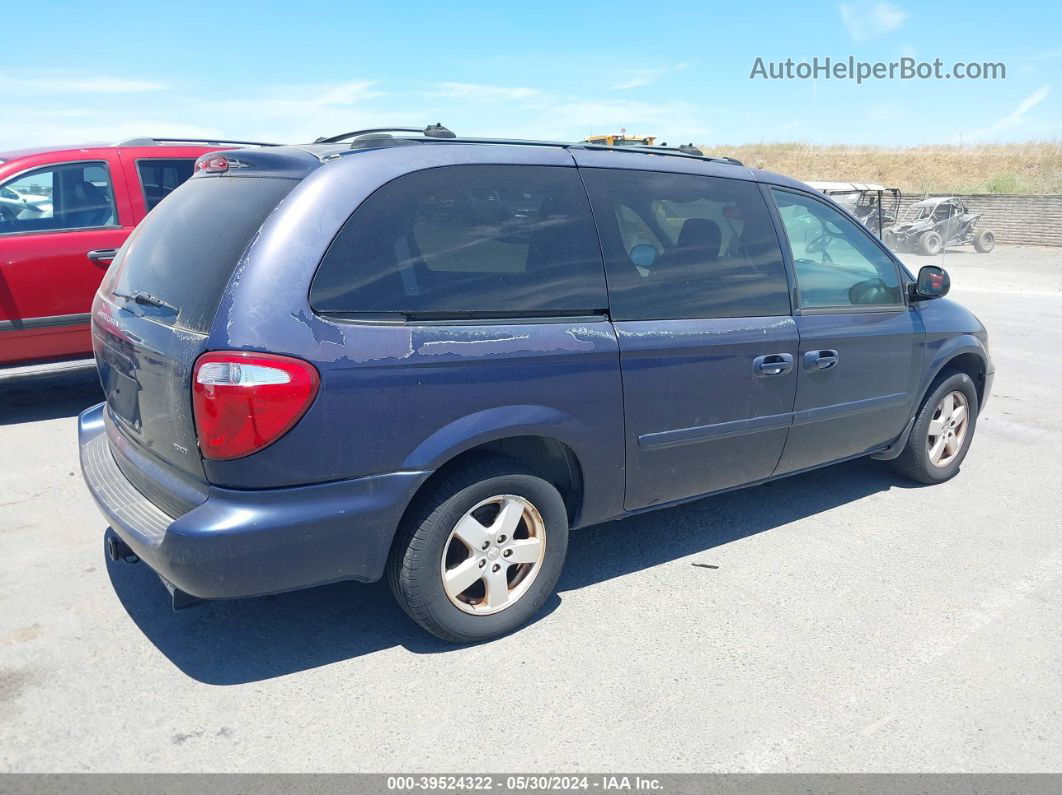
x=643, y=255
x=933, y=282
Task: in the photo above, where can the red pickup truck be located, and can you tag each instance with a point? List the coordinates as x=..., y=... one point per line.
x=64, y=211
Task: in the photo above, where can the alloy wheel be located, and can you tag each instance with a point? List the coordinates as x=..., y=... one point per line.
x=947, y=428
x=493, y=554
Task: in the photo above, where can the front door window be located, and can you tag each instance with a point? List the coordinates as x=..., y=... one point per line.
x=66, y=196
x=836, y=262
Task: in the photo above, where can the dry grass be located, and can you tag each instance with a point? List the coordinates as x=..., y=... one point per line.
x=1034, y=167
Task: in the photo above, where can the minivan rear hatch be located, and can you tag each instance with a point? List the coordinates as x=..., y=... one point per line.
x=153, y=313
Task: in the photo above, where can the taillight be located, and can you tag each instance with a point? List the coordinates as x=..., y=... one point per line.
x=245, y=401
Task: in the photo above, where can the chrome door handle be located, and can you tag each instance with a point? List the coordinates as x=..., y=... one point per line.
x=821, y=360
x=772, y=364
x=102, y=255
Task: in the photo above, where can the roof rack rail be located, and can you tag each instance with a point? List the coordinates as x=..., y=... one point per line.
x=381, y=136
x=686, y=150
x=431, y=131
x=161, y=141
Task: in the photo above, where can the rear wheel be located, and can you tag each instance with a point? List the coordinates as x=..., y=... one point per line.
x=478, y=556
x=930, y=243
x=984, y=241
x=942, y=432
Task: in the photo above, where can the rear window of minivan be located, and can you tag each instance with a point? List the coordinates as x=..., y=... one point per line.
x=467, y=241
x=185, y=250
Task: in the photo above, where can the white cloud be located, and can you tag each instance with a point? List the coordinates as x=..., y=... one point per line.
x=80, y=85
x=285, y=113
x=636, y=78
x=341, y=93
x=479, y=92
x=41, y=130
x=286, y=102
x=1016, y=118
x=865, y=19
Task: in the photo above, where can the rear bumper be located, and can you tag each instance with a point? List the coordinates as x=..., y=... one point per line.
x=249, y=543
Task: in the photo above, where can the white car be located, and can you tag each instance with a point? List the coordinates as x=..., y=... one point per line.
x=25, y=205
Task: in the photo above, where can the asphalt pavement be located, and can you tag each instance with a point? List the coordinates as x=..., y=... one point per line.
x=842, y=620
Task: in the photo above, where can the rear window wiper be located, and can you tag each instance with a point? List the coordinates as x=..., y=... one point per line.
x=147, y=299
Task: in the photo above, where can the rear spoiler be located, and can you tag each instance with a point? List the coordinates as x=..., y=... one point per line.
x=281, y=161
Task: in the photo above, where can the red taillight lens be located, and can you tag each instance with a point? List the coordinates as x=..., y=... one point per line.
x=246, y=401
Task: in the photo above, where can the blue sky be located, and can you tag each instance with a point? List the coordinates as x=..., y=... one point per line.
x=79, y=71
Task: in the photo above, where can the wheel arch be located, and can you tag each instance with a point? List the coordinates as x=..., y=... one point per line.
x=965, y=354
x=544, y=438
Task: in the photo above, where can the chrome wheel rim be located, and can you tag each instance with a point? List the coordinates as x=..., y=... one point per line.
x=947, y=428
x=493, y=554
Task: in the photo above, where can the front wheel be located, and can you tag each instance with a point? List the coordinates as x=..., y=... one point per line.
x=942, y=432
x=930, y=243
x=984, y=241
x=479, y=555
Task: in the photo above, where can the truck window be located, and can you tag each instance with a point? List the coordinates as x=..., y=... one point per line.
x=62, y=196
x=159, y=178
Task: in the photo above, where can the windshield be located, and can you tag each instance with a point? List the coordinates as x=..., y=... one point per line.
x=176, y=264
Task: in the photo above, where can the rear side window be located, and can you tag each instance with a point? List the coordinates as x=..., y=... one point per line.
x=687, y=246
x=159, y=178
x=184, y=252
x=472, y=241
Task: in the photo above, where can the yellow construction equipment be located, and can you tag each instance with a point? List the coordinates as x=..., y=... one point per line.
x=621, y=140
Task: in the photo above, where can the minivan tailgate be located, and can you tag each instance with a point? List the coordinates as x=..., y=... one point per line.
x=145, y=369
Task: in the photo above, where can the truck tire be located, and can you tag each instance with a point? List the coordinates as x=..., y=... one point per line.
x=984, y=241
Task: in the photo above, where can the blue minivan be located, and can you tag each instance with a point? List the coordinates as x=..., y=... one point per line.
x=428, y=357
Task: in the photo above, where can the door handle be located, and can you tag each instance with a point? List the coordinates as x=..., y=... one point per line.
x=820, y=360
x=772, y=364
x=102, y=255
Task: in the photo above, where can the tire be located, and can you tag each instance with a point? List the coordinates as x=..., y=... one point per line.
x=916, y=460
x=984, y=241
x=930, y=243
x=427, y=544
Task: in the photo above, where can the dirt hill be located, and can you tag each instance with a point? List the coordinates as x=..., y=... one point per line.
x=1034, y=167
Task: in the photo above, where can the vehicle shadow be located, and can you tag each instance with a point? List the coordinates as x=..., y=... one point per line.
x=48, y=397
x=249, y=640
x=651, y=539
